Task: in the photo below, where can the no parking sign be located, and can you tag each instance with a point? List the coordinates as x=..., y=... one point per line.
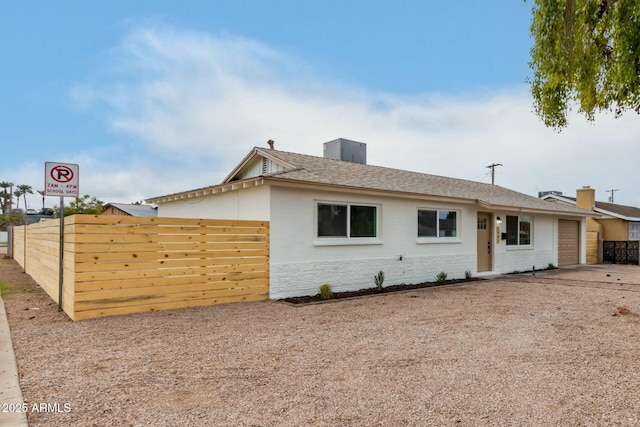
x=61, y=179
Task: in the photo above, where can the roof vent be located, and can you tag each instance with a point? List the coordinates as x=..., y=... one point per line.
x=347, y=150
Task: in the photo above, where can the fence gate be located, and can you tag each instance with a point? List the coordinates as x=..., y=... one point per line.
x=620, y=252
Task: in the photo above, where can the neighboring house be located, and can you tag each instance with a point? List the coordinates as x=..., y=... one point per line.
x=613, y=223
x=340, y=222
x=129, y=209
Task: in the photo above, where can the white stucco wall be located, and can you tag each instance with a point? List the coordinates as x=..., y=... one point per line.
x=540, y=254
x=248, y=203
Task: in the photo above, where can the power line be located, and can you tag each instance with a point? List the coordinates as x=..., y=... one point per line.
x=493, y=171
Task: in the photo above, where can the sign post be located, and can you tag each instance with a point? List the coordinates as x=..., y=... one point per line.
x=61, y=179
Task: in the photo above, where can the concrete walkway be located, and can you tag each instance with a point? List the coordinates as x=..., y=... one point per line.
x=12, y=412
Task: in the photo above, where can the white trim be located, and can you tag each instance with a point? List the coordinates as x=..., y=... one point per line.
x=347, y=240
x=437, y=239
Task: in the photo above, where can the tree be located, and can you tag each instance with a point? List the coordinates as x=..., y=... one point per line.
x=585, y=52
x=6, y=198
x=41, y=192
x=17, y=194
x=25, y=189
x=81, y=205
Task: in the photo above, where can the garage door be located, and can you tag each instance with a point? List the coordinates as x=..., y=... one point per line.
x=568, y=238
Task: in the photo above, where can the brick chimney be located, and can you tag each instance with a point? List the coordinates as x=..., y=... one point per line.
x=586, y=198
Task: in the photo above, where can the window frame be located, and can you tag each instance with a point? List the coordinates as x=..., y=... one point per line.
x=634, y=234
x=347, y=239
x=517, y=244
x=437, y=238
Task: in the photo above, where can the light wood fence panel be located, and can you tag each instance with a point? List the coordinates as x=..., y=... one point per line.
x=120, y=265
x=593, y=247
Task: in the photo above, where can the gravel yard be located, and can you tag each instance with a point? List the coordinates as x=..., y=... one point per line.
x=557, y=348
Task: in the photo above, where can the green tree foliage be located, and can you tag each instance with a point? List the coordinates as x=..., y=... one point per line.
x=585, y=52
x=81, y=205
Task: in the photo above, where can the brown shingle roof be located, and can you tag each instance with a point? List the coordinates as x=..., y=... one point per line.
x=629, y=212
x=320, y=170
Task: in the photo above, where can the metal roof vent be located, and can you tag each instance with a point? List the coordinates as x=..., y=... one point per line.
x=347, y=150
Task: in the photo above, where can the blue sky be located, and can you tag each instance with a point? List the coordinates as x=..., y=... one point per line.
x=154, y=97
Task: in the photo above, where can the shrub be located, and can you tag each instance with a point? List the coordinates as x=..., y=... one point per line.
x=379, y=279
x=441, y=277
x=551, y=267
x=467, y=274
x=325, y=291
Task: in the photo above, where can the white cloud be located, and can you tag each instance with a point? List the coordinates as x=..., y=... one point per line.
x=199, y=103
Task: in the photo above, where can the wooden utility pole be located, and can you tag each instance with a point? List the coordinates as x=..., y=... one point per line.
x=611, y=197
x=493, y=171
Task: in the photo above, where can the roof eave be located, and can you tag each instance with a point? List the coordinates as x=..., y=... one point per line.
x=208, y=191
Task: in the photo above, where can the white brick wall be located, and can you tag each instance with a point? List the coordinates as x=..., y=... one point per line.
x=304, y=278
x=523, y=260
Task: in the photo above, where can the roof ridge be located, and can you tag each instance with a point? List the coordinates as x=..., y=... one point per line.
x=355, y=164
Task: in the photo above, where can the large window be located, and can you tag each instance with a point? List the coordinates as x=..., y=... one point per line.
x=634, y=231
x=437, y=223
x=518, y=230
x=347, y=220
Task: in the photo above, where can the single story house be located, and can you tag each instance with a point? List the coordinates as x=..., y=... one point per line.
x=127, y=209
x=612, y=222
x=337, y=220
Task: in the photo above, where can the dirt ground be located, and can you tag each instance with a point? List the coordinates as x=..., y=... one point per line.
x=557, y=348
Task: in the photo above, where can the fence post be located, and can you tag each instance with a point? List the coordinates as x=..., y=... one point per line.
x=10, y=241
x=24, y=249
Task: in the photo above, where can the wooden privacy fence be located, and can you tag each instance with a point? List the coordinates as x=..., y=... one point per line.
x=119, y=265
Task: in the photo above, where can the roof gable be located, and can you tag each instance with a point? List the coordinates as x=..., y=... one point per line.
x=628, y=213
x=258, y=163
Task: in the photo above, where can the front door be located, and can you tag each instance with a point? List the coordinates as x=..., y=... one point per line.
x=484, y=242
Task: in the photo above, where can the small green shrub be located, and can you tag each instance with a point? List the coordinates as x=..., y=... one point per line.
x=551, y=266
x=467, y=274
x=325, y=291
x=441, y=277
x=379, y=279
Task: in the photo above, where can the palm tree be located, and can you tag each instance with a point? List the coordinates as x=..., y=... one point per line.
x=6, y=198
x=26, y=189
x=18, y=193
x=41, y=192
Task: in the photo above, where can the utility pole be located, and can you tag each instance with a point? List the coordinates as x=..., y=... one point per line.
x=611, y=197
x=493, y=171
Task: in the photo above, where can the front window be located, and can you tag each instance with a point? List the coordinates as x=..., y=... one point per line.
x=347, y=220
x=634, y=231
x=437, y=223
x=332, y=220
x=518, y=230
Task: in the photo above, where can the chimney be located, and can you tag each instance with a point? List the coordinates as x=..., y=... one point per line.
x=346, y=150
x=271, y=142
x=586, y=198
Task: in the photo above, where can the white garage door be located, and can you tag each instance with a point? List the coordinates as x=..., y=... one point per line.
x=568, y=238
